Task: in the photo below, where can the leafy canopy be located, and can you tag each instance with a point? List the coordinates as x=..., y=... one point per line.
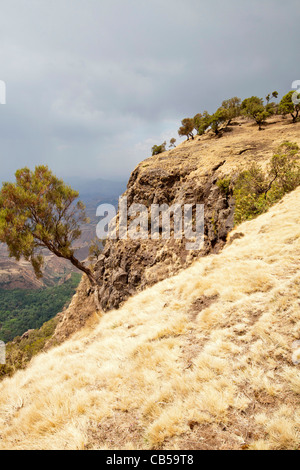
x=256, y=190
x=187, y=127
x=39, y=211
x=254, y=108
x=287, y=106
x=157, y=149
x=232, y=108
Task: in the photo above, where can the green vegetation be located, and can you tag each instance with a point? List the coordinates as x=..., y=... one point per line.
x=203, y=123
x=254, y=108
x=256, y=191
x=232, y=108
x=287, y=106
x=172, y=142
x=21, y=310
x=273, y=95
x=217, y=119
x=187, y=128
x=156, y=149
x=21, y=350
x=96, y=249
x=224, y=185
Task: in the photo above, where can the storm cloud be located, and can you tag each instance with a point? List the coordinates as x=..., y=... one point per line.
x=93, y=84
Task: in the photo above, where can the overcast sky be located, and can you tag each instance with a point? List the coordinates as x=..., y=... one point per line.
x=93, y=84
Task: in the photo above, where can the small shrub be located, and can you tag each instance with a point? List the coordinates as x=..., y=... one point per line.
x=172, y=142
x=225, y=186
x=255, y=191
x=156, y=149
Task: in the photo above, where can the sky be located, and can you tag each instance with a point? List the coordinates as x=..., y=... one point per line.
x=92, y=85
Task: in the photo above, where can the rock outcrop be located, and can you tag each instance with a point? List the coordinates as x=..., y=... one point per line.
x=186, y=175
x=127, y=266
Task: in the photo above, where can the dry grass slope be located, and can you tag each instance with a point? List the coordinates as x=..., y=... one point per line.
x=202, y=360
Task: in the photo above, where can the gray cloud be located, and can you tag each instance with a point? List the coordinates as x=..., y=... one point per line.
x=92, y=85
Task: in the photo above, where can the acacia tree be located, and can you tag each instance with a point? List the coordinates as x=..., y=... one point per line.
x=232, y=108
x=187, y=127
x=254, y=108
x=218, y=118
x=197, y=122
x=274, y=94
x=172, y=142
x=202, y=122
x=38, y=211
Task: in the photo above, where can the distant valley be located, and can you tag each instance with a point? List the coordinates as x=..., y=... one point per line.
x=20, y=275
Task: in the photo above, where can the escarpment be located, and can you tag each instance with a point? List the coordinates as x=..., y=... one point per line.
x=127, y=266
x=185, y=175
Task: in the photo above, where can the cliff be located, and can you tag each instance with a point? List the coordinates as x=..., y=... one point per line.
x=186, y=174
x=207, y=359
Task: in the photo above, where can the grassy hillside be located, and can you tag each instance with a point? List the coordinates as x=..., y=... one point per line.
x=21, y=310
x=203, y=360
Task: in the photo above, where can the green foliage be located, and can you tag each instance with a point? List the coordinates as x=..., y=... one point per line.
x=197, y=119
x=21, y=350
x=218, y=118
x=272, y=108
x=256, y=191
x=232, y=109
x=187, y=127
x=287, y=106
x=156, y=149
x=96, y=248
x=21, y=310
x=249, y=194
x=202, y=122
x=39, y=211
x=273, y=95
x=229, y=110
x=172, y=142
x=225, y=186
x=284, y=171
x=254, y=108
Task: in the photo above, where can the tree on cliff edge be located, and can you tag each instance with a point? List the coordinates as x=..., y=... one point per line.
x=187, y=127
x=38, y=211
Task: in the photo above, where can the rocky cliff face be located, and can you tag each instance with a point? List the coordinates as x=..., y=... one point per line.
x=186, y=174
x=128, y=266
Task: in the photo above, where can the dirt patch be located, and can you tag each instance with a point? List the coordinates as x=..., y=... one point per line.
x=115, y=432
x=200, y=304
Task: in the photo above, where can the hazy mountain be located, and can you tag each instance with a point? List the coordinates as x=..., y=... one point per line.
x=99, y=188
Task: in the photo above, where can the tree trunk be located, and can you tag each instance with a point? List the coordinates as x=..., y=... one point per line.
x=91, y=278
x=78, y=265
x=295, y=116
x=84, y=269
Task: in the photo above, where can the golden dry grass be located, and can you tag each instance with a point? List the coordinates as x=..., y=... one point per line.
x=202, y=360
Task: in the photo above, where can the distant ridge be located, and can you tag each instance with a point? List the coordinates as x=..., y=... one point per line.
x=99, y=187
